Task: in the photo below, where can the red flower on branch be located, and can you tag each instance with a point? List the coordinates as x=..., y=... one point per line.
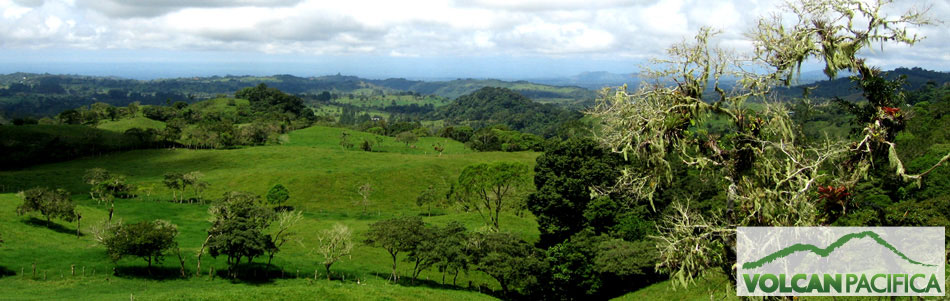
x=891, y=111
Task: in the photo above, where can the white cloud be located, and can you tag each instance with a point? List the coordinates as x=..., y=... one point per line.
x=542, y=28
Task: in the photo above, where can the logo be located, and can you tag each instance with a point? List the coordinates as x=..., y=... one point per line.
x=841, y=261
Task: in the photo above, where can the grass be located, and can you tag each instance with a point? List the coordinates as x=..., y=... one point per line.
x=322, y=179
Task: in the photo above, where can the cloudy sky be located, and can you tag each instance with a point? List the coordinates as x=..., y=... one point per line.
x=374, y=38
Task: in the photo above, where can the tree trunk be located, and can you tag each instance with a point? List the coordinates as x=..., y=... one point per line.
x=455, y=277
x=504, y=288
x=200, y=252
x=394, y=277
x=78, y=224
x=327, y=266
x=181, y=261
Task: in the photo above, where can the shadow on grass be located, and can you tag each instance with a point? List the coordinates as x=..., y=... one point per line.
x=254, y=273
x=431, y=214
x=6, y=272
x=32, y=221
x=155, y=273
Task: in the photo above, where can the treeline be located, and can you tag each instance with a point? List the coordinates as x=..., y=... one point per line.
x=28, y=145
x=268, y=114
x=490, y=119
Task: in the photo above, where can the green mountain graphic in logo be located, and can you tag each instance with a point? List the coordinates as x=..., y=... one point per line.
x=824, y=252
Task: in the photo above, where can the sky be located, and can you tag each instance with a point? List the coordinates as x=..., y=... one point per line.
x=424, y=39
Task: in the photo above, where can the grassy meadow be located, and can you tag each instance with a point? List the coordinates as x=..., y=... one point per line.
x=322, y=178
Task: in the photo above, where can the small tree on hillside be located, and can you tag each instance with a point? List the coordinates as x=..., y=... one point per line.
x=429, y=197
x=93, y=177
x=396, y=235
x=147, y=240
x=488, y=188
x=450, y=247
x=407, y=137
x=277, y=195
x=281, y=231
x=364, y=190
x=237, y=229
x=195, y=180
x=334, y=244
x=176, y=182
x=50, y=203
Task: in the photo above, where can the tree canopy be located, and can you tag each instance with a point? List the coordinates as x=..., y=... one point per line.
x=147, y=240
x=50, y=203
x=237, y=228
x=488, y=188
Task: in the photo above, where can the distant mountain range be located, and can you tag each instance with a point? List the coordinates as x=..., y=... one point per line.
x=592, y=80
x=844, y=87
x=28, y=94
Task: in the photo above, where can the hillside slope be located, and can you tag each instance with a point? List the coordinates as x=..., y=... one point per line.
x=322, y=180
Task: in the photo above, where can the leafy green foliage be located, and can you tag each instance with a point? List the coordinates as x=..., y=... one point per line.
x=147, y=240
x=266, y=100
x=34, y=144
x=407, y=137
x=514, y=263
x=396, y=235
x=489, y=106
x=563, y=177
x=450, y=248
x=49, y=203
x=499, y=138
x=278, y=194
x=237, y=228
x=489, y=188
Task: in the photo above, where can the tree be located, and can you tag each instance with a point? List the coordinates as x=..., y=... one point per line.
x=70, y=116
x=93, y=177
x=770, y=176
x=395, y=235
x=277, y=195
x=427, y=198
x=237, y=229
x=147, y=240
x=176, y=182
x=133, y=108
x=423, y=255
x=488, y=188
x=334, y=244
x=407, y=137
x=563, y=177
x=364, y=190
x=50, y=203
x=451, y=248
x=511, y=261
x=194, y=179
x=285, y=221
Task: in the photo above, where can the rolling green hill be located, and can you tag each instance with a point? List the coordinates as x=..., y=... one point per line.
x=322, y=179
x=489, y=106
